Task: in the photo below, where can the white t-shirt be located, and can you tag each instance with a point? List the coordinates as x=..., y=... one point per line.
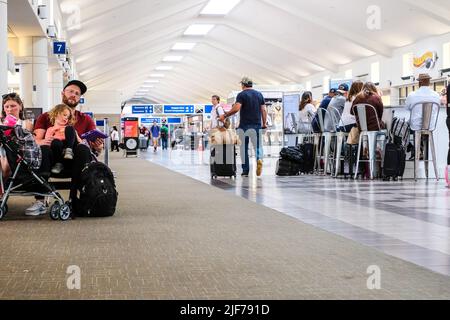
x=114, y=135
x=308, y=109
x=215, y=122
x=424, y=94
x=347, y=118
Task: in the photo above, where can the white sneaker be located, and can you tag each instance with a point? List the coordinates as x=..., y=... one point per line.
x=37, y=209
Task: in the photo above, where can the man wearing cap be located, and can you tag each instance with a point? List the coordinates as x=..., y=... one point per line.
x=323, y=106
x=423, y=94
x=70, y=96
x=337, y=102
x=253, y=118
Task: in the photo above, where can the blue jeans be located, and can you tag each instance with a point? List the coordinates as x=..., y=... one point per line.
x=246, y=134
x=165, y=143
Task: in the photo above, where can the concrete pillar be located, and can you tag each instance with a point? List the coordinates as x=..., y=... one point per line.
x=55, y=86
x=33, y=72
x=3, y=46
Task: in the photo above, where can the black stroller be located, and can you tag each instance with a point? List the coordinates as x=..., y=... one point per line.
x=25, y=181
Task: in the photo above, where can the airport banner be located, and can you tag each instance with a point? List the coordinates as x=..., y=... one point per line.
x=142, y=109
x=179, y=109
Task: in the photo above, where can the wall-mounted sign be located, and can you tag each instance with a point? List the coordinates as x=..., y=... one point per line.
x=174, y=120
x=427, y=60
x=179, y=109
x=59, y=47
x=208, y=109
x=147, y=121
x=90, y=114
x=142, y=109
x=82, y=100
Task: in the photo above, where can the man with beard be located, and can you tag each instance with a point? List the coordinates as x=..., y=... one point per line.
x=81, y=153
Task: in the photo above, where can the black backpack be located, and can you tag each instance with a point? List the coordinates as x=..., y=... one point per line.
x=98, y=194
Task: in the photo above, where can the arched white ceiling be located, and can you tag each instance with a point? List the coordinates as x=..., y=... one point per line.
x=121, y=42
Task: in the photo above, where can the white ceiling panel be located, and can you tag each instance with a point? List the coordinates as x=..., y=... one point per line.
x=121, y=42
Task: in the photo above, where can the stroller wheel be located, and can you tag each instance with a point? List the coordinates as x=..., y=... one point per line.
x=54, y=211
x=3, y=212
x=65, y=212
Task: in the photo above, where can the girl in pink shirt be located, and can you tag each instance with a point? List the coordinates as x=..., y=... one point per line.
x=63, y=135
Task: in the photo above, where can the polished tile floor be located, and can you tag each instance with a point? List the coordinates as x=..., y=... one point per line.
x=404, y=219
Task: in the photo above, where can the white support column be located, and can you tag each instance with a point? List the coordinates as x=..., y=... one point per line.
x=33, y=72
x=3, y=46
x=55, y=86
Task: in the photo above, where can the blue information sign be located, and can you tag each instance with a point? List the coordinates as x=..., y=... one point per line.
x=179, y=109
x=208, y=109
x=142, y=109
x=150, y=120
x=59, y=47
x=90, y=114
x=100, y=123
x=174, y=120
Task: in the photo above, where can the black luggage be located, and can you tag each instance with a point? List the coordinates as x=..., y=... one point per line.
x=98, y=194
x=307, y=158
x=287, y=168
x=394, y=162
x=223, y=161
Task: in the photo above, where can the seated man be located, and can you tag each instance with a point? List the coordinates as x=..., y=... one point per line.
x=423, y=94
x=82, y=153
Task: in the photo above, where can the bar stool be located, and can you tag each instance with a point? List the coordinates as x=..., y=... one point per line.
x=425, y=128
x=305, y=130
x=372, y=137
x=328, y=133
x=340, y=137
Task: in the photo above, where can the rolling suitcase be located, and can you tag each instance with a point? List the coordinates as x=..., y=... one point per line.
x=143, y=145
x=394, y=162
x=223, y=161
x=307, y=158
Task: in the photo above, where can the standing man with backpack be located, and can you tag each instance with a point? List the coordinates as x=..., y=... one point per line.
x=82, y=155
x=253, y=120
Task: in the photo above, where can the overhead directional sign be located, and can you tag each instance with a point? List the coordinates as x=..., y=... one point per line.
x=142, y=109
x=179, y=109
x=59, y=47
x=150, y=120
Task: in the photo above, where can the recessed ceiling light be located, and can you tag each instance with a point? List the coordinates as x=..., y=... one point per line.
x=157, y=75
x=163, y=68
x=219, y=7
x=151, y=81
x=147, y=87
x=173, y=58
x=183, y=46
x=198, y=29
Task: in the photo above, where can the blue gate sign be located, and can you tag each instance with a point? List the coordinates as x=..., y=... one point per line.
x=179, y=109
x=142, y=109
x=59, y=47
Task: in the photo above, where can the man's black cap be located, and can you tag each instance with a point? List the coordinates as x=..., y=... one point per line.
x=79, y=84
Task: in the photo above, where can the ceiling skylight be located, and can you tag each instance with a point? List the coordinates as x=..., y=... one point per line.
x=198, y=29
x=157, y=75
x=184, y=46
x=173, y=58
x=164, y=68
x=219, y=7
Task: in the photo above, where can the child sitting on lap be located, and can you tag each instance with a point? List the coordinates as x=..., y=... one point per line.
x=64, y=135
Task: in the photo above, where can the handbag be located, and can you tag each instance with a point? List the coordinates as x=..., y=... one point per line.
x=353, y=136
x=227, y=123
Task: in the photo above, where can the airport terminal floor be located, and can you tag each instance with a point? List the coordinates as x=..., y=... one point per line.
x=178, y=235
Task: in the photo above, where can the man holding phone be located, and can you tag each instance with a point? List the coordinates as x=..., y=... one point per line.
x=82, y=153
